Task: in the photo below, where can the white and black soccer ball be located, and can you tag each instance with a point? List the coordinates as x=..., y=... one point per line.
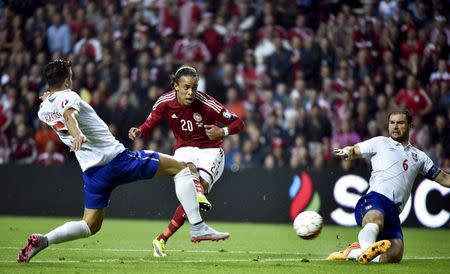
x=308, y=225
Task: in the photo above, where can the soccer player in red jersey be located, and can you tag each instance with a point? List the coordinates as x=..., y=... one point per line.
x=193, y=117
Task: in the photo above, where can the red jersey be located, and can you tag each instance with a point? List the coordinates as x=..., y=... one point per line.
x=188, y=122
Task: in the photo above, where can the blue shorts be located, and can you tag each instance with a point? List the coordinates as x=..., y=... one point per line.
x=126, y=167
x=373, y=200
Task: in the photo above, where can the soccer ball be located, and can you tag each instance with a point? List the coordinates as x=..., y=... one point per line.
x=308, y=225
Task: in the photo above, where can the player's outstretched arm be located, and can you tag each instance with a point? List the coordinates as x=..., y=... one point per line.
x=348, y=152
x=443, y=179
x=71, y=115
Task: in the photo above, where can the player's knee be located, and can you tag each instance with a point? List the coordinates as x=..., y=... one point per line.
x=375, y=217
x=395, y=256
x=94, y=224
x=204, y=184
x=95, y=227
x=192, y=168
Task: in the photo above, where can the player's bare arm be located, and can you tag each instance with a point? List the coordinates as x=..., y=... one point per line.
x=348, y=152
x=443, y=179
x=134, y=133
x=214, y=132
x=71, y=115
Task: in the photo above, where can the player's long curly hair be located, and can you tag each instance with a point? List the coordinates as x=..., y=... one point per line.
x=183, y=71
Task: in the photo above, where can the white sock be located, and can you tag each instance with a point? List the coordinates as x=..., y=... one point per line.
x=68, y=232
x=354, y=254
x=366, y=237
x=185, y=190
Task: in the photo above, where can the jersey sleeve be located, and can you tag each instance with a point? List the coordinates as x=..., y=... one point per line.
x=231, y=120
x=368, y=148
x=153, y=120
x=68, y=100
x=428, y=168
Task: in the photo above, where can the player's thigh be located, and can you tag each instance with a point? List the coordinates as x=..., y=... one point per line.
x=168, y=165
x=374, y=216
x=394, y=253
x=188, y=155
x=211, y=165
x=94, y=218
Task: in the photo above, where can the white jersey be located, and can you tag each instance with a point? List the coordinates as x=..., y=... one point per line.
x=101, y=146
x=394, y=167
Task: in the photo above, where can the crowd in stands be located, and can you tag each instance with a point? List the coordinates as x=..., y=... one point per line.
x=305, y=76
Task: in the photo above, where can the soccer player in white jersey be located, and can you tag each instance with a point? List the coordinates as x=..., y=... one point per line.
x=395, y=165
x=193, y=117
x=105, y=163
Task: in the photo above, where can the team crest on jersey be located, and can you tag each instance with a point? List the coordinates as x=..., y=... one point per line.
x=414, y=156
x=197, y=117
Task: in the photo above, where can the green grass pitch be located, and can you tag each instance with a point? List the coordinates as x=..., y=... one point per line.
x=124, y=246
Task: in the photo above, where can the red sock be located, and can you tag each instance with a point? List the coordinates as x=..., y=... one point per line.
x=177, y=221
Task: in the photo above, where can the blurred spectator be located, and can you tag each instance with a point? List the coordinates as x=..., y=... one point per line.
x=58, y=34
x=4, y=149
x=424, y=143
x=413, y=98
x=388, y=9
x=279, y=152
x=43, y=135
x=310, y=57
x=269, y=162
x=345, y=136
x=318, y=126
x=234, y=103
x=310, y=66
x=442, y=74
x=51, y=156
x=23, y=147
x=90, y=43
x=278, y=63
x=12, y=33
x=190, y=49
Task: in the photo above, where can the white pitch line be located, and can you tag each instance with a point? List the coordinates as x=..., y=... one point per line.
x=169, y=250
x=169, y=261
x=158, y=261
x=202, y=251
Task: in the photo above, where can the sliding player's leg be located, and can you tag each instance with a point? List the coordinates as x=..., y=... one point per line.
x=91, y=224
